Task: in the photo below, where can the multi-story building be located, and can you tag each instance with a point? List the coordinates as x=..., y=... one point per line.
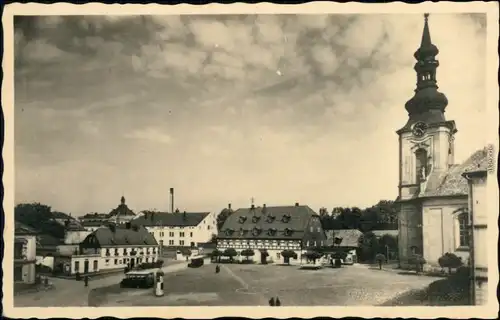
x=478, y=220
x=24, y=254
x=432, y=191
x=111, y=247
x=179, y=229
x=270, y=230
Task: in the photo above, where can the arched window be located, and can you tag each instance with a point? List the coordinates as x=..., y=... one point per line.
x=463, y=225
x=421, y=165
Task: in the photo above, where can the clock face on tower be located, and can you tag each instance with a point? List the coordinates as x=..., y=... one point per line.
x=419, y=129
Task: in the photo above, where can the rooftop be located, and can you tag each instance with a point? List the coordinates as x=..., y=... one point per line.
x=177, y=219
x=119, y=236
x=350, y=237
x=451, y=182
x=287, y=222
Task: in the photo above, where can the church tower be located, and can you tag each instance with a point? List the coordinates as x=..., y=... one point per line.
x=426, y=140
x=426, y=145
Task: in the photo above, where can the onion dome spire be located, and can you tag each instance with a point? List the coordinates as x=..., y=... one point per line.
x=428, y=104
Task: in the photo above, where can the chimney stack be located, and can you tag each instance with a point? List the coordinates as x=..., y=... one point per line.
x=229, y=206
x=296, y=204
x=172, y=200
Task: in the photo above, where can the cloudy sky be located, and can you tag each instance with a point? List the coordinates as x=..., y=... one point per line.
x=282, y=108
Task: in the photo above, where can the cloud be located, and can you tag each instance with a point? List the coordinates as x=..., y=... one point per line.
x=197, y=100
x=151, y=134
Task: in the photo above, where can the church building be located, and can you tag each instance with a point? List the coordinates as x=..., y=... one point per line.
x=433, y=194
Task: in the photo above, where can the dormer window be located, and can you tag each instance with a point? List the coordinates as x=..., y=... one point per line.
x=286, y=218
x=256, y=231
x=255, y=219
x=243, y=231
x=242, y=219
x=272, y=231
x=229, y=232
x=270, y=218
x=288, y=232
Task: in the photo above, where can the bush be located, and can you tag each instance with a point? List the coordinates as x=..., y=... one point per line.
x=418, y=261
x=312, y=255
x=288, y=254
x=450, y=261
x=230, y=253
x=247, y=253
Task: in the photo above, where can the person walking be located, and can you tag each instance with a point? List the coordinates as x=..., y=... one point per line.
x=271, y=302
x=278, y=302
x=217, y=269
x=86, y=280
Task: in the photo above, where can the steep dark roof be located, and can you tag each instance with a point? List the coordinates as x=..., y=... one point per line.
x=122, y=210
x=22, y=229
x=451, y=182
x=46, y=240
x=178, y=219
x=94, y=216
x=121, y=236
x=268, y=223
x=350, y=237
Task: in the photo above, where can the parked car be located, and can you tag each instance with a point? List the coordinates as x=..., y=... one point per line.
x=138, y=279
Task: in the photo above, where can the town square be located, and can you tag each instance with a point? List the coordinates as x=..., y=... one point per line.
x=271, y=160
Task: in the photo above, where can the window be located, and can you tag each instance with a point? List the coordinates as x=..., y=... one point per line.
x=171, y=242
x=116, y=251
x=421, y=165
x=116, y=261
x=181, y=242
x=162, y=234
x=18, y=273
x=77, y=266
x=278, y=255
x=107, y=252
x=181, y=234
x=95, y=265
x=208, y=227
x=170, y=234
x=191, y=234
x=463, y=225
x=107, y=262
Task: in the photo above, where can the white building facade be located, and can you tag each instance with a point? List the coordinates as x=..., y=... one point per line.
x=24, y=254
x=179, y=229
x=478, y=219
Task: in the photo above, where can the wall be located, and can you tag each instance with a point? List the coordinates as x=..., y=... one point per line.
x=273, y=247
x=45, y=261
x=441, y=229
x=121, y=257
x=314, y=234
x=171, y=236
x=410, y=230
x=75, y=237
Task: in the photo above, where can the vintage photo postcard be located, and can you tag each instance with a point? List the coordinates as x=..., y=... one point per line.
x=251, y=160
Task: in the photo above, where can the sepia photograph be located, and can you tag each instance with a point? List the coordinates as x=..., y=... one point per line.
x=251, y=159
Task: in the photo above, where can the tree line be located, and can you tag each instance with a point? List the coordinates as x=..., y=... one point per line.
x=39, y=217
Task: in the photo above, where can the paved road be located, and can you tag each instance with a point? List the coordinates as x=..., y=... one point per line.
x=72, y=293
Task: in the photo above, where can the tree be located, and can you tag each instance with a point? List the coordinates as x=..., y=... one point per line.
x=312, y=256
x=380, y=258
x=222, y=217
x=369, y=245
x=39, y=217
x=216, y=254
x=418, y=261
x=287, y=254
x=450, y=260
x=247, y=253
x=230, y=253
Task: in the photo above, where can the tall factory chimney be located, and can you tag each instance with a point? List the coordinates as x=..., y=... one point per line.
x=172, y=200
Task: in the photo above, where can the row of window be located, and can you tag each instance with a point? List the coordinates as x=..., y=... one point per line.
x=107, y=263
x=128, y=252
x=171, y=234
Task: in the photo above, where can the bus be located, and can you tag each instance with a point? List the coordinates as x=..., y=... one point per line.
x=196, y=261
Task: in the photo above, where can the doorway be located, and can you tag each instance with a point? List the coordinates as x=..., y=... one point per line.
x=132, y=263
x=86, y=267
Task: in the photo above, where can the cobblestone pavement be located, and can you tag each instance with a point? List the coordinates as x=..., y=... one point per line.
x=72, y=293
x=256, y=284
